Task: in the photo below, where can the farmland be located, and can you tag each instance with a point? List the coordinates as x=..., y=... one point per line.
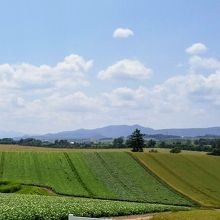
x=52, y=183
x=28, y=207
x=106, y=175
x=195, y=175
x=194, y=214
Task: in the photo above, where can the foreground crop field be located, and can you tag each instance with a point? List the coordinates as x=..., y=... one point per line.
x=109, y=175
x=29, y=207
x=195, y=175
x=189, y=215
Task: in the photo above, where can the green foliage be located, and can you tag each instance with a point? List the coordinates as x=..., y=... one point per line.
x=8, y=187
x=151, y=143
x=215, y=148
x=29, y=207
x=34, y=190
x=118, y=142
x=136, y=141
x=195, y=175
x=175, y=150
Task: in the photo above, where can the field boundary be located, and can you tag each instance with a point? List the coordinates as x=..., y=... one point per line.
x=194, y=202
x=76, y=173
x=98, y=198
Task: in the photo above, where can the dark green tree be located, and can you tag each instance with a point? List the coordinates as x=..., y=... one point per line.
x=175, y=150
x=118, y=142
x=151, y=143
x=162, y=144
x=216, y=148
x=136, y=141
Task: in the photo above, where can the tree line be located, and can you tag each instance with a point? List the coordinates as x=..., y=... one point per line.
x=136, y=141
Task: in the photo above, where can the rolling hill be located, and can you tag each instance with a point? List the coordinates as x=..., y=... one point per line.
x=193, y=174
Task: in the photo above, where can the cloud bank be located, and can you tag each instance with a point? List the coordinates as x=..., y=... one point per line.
x=48, y=98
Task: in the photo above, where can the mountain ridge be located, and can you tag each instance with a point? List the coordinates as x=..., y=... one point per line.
x=113, y=131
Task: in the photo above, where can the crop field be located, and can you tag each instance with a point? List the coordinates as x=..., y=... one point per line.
x=29, y=207
x=106, y=175
x=189, y=215
x=195, y=175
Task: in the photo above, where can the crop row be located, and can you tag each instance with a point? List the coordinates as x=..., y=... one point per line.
x=196, y=176
x=30, y=207
x=107, y=175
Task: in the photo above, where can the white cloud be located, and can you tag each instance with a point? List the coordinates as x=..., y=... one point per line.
x=125, y=97
x=197, y=62
x=196, y=48
x=24, y=76
x=182, y=100
x=32, y=92
x=50, y=98
x=75, y=102
x=122, y=33
x=127, y=69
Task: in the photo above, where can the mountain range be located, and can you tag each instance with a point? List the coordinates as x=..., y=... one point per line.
x=113, y=131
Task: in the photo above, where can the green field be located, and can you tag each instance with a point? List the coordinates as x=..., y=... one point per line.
x=29, y=207
x=108, y=175
x=195, y=175
x=189, y=215
x=112, y=183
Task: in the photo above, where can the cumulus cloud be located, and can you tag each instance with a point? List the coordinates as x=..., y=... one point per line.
x=24, y=76
x=35, y=92
x=122, y=33
x=197, y=62
x=196, y=48
x=127, y=69
x=180, y=100
x=125, y=97
x=75, y=102
x=50, y=98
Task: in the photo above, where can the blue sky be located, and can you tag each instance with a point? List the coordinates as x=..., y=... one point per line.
x=148, y=77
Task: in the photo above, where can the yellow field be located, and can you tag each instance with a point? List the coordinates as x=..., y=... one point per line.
x=194, y=175
x=189, y=215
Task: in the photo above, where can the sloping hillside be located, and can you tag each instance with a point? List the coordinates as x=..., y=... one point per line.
x=109, y=175
x=195, y=175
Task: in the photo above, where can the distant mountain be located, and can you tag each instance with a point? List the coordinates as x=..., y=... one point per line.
x=97, y=133
x=77, y=134
x=113, y=131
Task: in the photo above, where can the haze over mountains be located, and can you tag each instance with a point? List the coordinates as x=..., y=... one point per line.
x=113, y=131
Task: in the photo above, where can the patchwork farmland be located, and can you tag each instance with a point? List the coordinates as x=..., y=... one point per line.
x=103, y=175
x=100, y=183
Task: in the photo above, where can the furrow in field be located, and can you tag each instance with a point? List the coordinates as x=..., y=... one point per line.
x=114, y=175
x=196, y=176
x=182, y=179
x=194, y=162
x=76, y=173
x=164, y=183
x=140, y=185
x=2, y=163
x=37, y=167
